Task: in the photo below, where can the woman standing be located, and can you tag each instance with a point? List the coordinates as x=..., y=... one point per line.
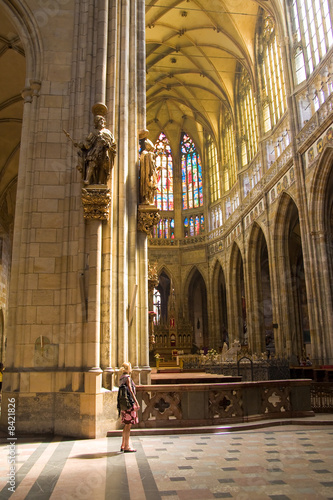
x=128, y=417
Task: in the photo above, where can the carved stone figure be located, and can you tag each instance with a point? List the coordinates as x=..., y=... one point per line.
x=97, y=152
x=148, y=173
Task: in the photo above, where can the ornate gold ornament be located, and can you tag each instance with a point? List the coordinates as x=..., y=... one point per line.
x=148, y=216
x=96, y=202
x=152, y=276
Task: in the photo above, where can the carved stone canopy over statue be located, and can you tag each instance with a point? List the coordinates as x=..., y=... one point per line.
x=97, y=152
x=148, y=171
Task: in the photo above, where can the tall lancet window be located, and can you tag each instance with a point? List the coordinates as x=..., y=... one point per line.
x=312, y=34
x=248, y=120
x=164, y=194
x=214, y=172
x=191, y=174
x=272, y=76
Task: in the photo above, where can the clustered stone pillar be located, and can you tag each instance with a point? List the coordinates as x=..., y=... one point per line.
x=85, y=268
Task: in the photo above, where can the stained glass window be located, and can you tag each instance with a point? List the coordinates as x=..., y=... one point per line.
x=194, y=225
x=312, y=34
x=186, y=227
x=272, y=76
x=202, y=224
x=164, y=194
x=165, y=228
x=191, y=174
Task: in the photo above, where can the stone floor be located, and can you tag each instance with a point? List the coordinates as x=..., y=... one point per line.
x=279, y=463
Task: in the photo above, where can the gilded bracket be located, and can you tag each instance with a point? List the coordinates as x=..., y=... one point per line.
x=96, y=202
x=148, y=216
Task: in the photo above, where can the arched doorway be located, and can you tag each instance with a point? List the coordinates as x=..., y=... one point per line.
x=197, y=307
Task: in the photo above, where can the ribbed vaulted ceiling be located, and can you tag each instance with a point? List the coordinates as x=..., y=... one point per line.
x=193, y=47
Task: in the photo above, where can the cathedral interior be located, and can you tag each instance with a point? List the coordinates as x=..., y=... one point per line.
x=233, y=243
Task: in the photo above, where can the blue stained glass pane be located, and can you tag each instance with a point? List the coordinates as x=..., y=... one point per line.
x=184, y=183
x=195, y=181
x=159, y=201
x=171, y=204
x=191, y=226
x=201, y=196
x=197, y=226
x=172, y=223
x=200, y=183
x=190, y=197
x=202, y=223
x=166, y=227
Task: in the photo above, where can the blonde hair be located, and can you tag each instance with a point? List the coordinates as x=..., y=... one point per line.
x=125, y=368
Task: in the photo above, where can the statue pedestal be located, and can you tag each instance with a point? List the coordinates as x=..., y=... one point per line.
x=148, y=216
x=96, y=200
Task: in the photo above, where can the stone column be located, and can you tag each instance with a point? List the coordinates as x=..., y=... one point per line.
x=96, y=202
x=120, y=296
x=141, y=61
x=15, y=334
x=94, y=243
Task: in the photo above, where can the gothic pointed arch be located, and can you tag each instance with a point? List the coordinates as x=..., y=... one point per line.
x=220, y=309
x=321, y=224
x=293, y=331
x=196, y=292
x=260, y=313
x=321, y=184
x=27, y=26
x=162, y=295
x=237, y=297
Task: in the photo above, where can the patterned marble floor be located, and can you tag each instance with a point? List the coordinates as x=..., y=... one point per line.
x=278, y=463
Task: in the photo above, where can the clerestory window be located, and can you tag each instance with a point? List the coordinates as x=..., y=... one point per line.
x=214, y=172
x=271, y=73
x=312, y=34
x=248, y=119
